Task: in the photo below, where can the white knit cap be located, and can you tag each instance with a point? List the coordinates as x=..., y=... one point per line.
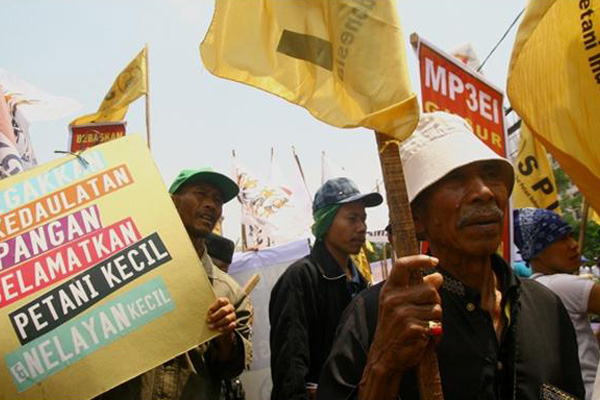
x=441, y=143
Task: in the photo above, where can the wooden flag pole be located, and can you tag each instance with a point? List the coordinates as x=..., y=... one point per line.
x=405, y=244
x=583, y=225
x=148, y=97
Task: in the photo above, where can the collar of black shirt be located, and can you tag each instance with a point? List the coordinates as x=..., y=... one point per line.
x=509, y=283
x=326, y=264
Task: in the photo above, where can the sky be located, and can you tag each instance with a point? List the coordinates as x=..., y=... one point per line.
x=76, y=48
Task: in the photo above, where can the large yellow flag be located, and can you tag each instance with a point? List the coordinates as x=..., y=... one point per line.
x=554, y=84
x=342, y=60
x=594, y=217
x=535, y=185
x=131, y=83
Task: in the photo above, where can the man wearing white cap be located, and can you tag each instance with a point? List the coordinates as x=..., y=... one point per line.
x=502, y=338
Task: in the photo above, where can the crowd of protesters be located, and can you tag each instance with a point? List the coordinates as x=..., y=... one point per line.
x=335, y=336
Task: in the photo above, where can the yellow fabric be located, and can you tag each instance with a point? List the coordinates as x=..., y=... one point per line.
x=593, y=216
x=131, y=83
x=535, y=185
x=362, y=262
x=554, y=84
x=343, y=60
x=507, y=314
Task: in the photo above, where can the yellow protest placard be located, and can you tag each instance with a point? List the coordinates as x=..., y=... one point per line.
x=96, y=274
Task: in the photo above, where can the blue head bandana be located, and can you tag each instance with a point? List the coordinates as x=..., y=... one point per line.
x=536, y=229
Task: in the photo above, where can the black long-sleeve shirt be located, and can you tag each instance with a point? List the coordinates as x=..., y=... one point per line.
x=304, y=310
x=536, y=357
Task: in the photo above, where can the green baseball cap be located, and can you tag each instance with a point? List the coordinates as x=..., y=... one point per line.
x=229, y=189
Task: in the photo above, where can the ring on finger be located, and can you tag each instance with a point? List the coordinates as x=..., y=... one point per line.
x=434, y=329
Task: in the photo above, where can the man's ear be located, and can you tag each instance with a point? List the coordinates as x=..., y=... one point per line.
x=419, y=221
x=419, y=227
x=175, y=200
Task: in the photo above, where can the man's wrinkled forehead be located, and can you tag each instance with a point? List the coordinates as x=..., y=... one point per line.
x=478, y=168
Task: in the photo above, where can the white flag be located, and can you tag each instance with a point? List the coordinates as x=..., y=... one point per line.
x=35, y=104
x=274, y=212
x=467, y=55
x=330, y=170
x=293, y=221
x=257, y=201
x=27, y=103
x=10, y=160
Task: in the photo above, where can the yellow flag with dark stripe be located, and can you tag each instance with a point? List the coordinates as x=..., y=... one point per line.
x=130, y=85
x=343, y=60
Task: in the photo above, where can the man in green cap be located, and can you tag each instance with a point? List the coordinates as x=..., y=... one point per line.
x=199, y=196
x=308, y=299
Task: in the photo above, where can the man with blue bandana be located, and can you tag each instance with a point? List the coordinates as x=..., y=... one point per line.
x=546, y=243
x=308, y=299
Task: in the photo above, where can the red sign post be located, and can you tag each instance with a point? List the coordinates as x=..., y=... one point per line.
x=88, y=135
x=448, y=85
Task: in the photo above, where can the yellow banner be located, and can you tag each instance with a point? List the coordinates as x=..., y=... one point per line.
x=361, y=261
x=93, y=278
x=344, y=60
x=535, y=185
x=131, y=83
x=554, y=85
x=593, y=216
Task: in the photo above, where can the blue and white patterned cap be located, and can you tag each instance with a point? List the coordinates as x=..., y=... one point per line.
x=536, y=229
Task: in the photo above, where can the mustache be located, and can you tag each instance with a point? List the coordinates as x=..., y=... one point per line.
x=477, y=213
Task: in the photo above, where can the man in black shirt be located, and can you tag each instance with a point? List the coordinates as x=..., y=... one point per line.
x=502, y=338
x=308, y=299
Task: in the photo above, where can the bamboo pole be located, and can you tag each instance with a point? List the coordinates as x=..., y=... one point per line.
x=244, y=239
x=583, y=226
x=405, y=244
x=251, y=284
x=148, y=97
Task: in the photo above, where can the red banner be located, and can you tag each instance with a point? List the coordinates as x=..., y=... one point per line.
x=88, y=135
x=448, y=85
